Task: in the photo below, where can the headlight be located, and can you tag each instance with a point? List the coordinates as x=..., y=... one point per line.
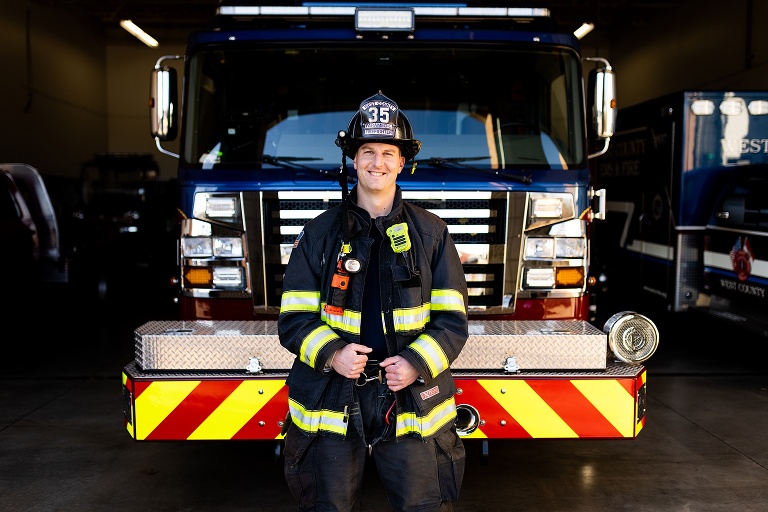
x=205, y=247
x=218, y=207
x=539, y=248
x=632, y=337
x=199, y=247
x=227, y=276
x=569, y=247
x=222, y=207
x=540, y=278
x=228, y=247
x=546, y=207
x=549, y=248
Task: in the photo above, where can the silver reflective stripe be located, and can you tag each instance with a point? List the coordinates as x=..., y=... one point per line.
x=312, y=421
x=411, y=319
x=348, y=321
x=314, y=342
x=448, y=300
x=300, y=301
x=408, y=423
x=431, y=352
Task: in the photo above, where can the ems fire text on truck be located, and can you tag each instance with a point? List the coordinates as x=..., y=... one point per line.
x=498, y=101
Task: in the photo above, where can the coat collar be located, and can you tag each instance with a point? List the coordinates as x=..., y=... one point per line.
x=360, y=219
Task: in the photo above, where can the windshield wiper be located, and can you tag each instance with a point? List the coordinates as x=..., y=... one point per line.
x=458, y=163
x=290, y=162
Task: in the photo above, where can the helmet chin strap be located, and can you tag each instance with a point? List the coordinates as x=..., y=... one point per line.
x=343, y=176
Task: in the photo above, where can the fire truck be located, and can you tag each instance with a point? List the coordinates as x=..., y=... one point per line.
x=509, y=113
x=688, y=213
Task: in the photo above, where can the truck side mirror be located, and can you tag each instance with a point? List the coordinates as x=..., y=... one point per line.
x=601, y=99
x=163, y=103
x=602, y=91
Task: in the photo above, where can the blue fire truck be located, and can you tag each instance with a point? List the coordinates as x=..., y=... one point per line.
x=508, y=124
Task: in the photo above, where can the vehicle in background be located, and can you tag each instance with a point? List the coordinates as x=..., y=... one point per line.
x=121, y=233
x=508, y=123
x=735, y=252
x=687, y=220
x=31, y=251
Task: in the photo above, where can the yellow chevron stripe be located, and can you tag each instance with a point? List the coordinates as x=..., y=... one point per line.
x=237, y=409
x=477, y=434
x=612, y=400
x=639, y=424
x=129, y=426
x=528, y=408
x=158, y=401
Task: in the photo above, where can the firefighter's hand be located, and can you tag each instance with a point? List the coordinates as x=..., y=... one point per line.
x=400, y=373
x=350, y=361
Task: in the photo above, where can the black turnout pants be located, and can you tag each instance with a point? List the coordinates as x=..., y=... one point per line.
x=326, y=473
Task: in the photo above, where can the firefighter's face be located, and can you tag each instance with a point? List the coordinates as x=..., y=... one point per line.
x=378, y=165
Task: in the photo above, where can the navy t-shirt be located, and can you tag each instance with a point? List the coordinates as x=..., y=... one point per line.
x=371, y=327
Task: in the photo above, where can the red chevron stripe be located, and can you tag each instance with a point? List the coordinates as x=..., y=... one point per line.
x=271, y=413
x=630, y=385
x=139, y=387
x=194, y=409
x=490, y=411
x=574, y=408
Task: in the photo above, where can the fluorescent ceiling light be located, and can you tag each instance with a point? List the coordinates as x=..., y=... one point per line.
x=583, y=30
x=139, y=34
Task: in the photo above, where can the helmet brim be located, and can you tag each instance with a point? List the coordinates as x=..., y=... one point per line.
x=408, y=148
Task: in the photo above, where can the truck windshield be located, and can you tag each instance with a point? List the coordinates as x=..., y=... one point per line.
x=269, y=107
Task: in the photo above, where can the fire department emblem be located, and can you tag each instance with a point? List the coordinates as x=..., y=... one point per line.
x=741, y=258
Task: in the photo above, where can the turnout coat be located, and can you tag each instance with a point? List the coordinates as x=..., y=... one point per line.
x=424, y=315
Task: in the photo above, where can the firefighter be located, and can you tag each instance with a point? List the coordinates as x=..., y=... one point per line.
x=374, y=307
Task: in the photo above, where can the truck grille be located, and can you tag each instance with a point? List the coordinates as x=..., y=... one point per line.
x=477, y=223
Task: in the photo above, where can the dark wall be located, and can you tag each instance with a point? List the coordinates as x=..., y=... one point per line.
x=64, y=95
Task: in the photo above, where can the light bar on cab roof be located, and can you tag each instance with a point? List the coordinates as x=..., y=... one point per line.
x=732, y=107
x=384, y=19
x=758, y=107
x=350, y=10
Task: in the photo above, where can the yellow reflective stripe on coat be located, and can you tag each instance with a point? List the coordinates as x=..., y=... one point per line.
x=308, y=301
x=411, y=319
x=409, y=423
x=314, y=343
x=448, y=300
x=313, y=421
x=347, y=321
x=432, y=354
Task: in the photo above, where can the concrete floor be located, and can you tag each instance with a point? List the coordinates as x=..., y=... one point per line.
x=63, y=446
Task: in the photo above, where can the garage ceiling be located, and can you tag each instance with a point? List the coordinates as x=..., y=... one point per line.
x=169, y=21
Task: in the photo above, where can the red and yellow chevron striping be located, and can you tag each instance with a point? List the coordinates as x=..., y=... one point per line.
x=555, y=408
x=509, y=407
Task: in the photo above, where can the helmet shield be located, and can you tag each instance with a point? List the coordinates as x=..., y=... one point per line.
x=378, y=119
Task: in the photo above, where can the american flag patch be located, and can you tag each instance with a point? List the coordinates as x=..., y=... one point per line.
x=296, y=242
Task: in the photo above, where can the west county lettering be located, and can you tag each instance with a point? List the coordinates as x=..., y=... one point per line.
x=745, y=145
x=746, y=289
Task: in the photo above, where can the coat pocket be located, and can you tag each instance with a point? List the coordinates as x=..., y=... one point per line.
x=306, y=385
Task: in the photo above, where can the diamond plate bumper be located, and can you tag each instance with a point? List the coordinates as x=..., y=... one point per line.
x=252, y=346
